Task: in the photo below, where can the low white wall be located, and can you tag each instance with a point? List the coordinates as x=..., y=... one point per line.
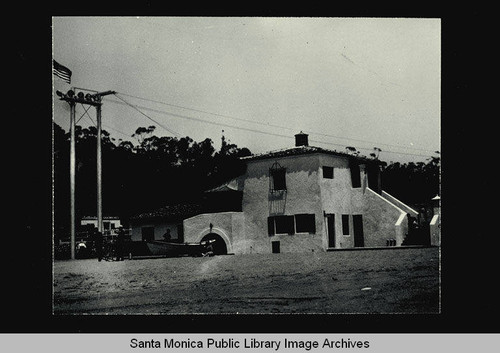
x=435, y=230
x=229, y=225
x=383, y=220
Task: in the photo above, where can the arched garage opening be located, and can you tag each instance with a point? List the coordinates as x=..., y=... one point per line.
x=219, y=245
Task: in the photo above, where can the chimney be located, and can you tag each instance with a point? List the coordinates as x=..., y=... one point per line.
x=301, y=139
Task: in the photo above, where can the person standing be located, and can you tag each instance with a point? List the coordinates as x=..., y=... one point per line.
x=120, y=243
x=167, y=236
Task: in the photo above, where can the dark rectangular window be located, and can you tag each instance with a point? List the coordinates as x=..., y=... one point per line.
x=284, y=225
x=275, y=247
x=305, y=223
x=148, y=233
x=345, y=224
x=327, y=172
x=278, y=179
x=355, y=175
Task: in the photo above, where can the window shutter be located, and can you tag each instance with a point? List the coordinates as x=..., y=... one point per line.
x=270, y=225
x=305, y=223
x=312, y=219
x=290, y=225
x=355, y=174
x=345, y=224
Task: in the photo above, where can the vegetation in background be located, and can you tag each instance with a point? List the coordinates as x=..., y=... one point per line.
x=156, y=171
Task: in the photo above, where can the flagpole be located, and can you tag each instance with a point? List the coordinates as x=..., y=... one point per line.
x=98, y=106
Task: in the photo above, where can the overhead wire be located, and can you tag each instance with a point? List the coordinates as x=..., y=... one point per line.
x=249, y=129
x=120, y=132
x=147, y=116
x=274, y=125
x=136, y=107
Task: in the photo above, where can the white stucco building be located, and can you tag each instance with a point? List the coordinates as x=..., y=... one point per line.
x=304, y=199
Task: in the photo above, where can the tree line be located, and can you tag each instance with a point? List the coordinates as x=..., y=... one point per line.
x=413, y=183
x=136, y=177
x=156, y=171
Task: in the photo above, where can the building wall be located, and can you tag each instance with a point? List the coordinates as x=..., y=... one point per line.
x=160, y=228
x=302, y=196
x=340, y=198
x=309, y=192
x=382, y=220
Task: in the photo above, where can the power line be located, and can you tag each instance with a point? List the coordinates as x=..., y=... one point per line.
x=258, y=131
x=208, y=122
x=120, y=132
x=273, y=125
x=147, y=116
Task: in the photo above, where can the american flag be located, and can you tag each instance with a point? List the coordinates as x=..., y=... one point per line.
x=61, y=71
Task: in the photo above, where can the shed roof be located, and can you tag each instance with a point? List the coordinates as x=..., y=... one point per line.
x=231, y=185
x=170, y=212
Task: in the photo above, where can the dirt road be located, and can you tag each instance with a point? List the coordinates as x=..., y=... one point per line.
x=368, y=281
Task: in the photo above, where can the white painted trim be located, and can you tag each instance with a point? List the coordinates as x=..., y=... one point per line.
x=434, y=220
x=213, y=213
x=401, y=218
x=390, y=196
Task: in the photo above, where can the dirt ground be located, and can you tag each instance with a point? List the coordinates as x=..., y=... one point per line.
x=367, y=281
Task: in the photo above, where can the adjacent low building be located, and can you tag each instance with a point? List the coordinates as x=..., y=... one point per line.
x=109, y=223
x=164, y=223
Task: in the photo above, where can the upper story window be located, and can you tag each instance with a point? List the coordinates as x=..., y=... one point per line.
x=327, y=172
x=355, y=174
x=277, y=177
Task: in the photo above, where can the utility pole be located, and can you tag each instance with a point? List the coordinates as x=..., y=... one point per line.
x=96, y=101
x=72, y=160
x=98, y=98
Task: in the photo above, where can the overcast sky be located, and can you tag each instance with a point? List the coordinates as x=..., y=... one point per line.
x=361, y=82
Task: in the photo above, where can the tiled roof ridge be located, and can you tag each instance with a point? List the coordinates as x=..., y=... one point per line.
x=169, y=210
x=299, y=150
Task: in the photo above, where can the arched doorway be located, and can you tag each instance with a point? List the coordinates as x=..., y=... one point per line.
x=219, y=245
